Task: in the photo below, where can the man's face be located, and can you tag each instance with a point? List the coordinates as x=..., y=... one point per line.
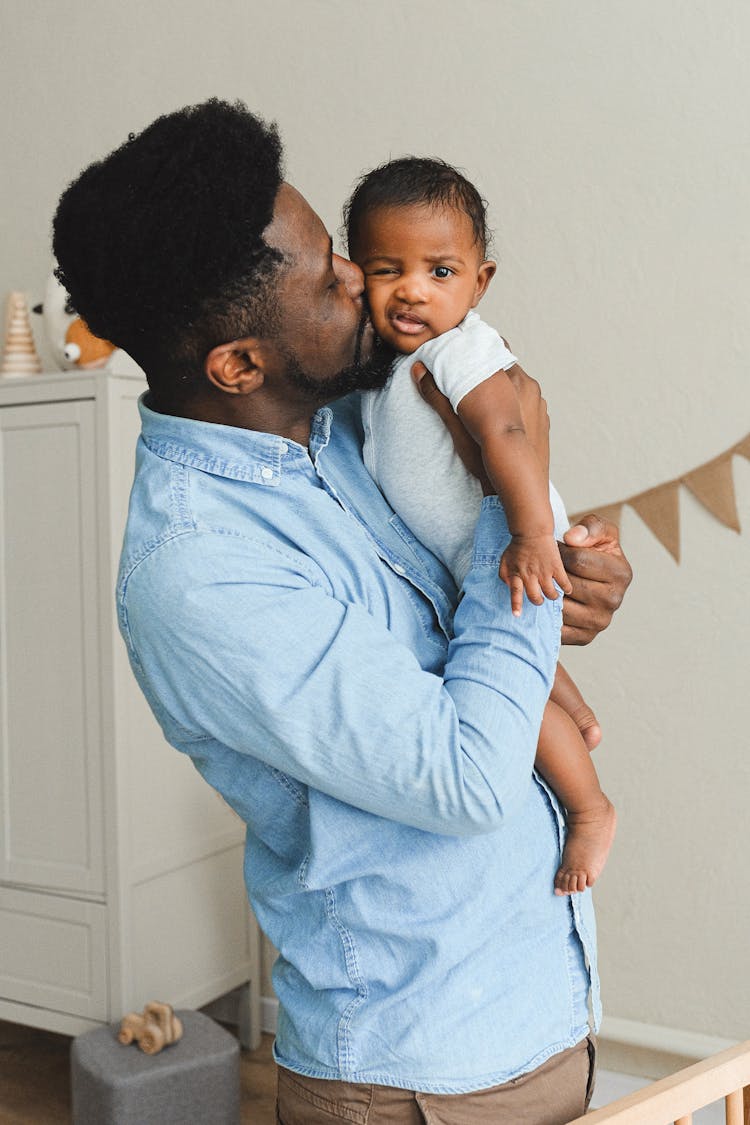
x=325, y=339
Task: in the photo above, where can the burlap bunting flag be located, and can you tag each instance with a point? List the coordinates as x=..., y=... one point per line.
x=711, y=483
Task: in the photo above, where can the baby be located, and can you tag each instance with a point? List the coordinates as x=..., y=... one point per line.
x=418, y=230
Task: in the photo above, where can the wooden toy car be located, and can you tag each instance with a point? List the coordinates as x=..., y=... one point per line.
x=156, y=1027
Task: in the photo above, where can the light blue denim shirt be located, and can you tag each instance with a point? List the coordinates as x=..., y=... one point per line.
x=377, y=736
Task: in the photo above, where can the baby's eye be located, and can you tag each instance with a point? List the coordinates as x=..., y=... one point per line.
x=384, y=271
x=442, y=271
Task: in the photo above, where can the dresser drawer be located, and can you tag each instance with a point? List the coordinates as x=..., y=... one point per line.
x=53, y=953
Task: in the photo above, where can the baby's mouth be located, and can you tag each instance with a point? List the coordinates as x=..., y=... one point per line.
x=408, y=323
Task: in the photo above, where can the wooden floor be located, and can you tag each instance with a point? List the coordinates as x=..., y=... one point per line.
x=35, y=1079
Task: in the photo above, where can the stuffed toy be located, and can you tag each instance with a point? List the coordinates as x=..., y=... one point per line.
x=73, y=346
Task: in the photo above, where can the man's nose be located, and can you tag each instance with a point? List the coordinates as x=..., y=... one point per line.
x=411, y=289
x=350, y=274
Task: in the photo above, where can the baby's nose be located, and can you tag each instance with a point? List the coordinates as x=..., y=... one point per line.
x=412, y=289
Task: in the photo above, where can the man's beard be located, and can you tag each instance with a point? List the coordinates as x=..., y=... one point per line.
x=369, y=374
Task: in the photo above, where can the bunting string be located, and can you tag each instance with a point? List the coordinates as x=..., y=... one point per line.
x=712, y=484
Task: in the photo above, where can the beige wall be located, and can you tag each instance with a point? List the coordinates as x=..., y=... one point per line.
x=612, y=142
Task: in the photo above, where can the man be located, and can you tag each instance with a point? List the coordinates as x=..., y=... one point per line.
x=376, y=734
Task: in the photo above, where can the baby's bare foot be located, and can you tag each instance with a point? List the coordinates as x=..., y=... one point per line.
x=590, y=836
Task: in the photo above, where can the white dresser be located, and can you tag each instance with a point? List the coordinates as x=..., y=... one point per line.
x=120, y=870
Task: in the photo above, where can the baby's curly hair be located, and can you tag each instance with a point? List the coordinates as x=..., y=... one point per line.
x=413, y=180
x=160, y=244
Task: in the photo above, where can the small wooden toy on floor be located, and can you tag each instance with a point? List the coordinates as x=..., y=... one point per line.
x=156, y=1027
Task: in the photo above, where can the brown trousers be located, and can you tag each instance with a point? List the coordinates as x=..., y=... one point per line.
x=554, y=1094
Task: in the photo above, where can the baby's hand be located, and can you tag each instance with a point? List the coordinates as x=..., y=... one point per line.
x=532, y=563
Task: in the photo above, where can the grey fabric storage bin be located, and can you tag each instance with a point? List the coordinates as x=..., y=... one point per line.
x=197, y=1080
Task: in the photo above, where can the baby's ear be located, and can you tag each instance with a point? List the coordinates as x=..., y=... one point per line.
x=484, y=277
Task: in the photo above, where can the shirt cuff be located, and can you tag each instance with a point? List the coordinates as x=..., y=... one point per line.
x=492, y=535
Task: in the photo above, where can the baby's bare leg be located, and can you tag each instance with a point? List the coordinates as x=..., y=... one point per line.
x=565, y=763
x=566, y=694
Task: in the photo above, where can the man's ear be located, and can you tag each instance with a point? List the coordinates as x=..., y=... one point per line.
x=484, y=277
x=236, y=368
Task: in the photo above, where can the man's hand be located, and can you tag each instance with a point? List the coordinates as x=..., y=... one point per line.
x=599, y=573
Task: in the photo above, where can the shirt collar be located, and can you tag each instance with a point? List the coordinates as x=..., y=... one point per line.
x=229, y=451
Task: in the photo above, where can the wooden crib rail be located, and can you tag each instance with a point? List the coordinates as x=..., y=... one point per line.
x=676, y=1098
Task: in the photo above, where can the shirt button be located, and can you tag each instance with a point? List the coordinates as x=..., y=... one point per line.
x=284, y=448
x=399, y=569
x=267, y=474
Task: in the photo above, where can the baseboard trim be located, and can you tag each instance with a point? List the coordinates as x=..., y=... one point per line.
x=652, y=1051
x=269, y=1014
x=666, y=1040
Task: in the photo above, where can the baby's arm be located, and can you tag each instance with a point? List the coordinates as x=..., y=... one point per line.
x=532, y=560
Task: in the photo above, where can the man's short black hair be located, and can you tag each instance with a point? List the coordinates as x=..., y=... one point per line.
x=160, y=244
x=413, y=180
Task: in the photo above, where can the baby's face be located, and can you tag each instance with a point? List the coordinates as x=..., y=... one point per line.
x=423, y=271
